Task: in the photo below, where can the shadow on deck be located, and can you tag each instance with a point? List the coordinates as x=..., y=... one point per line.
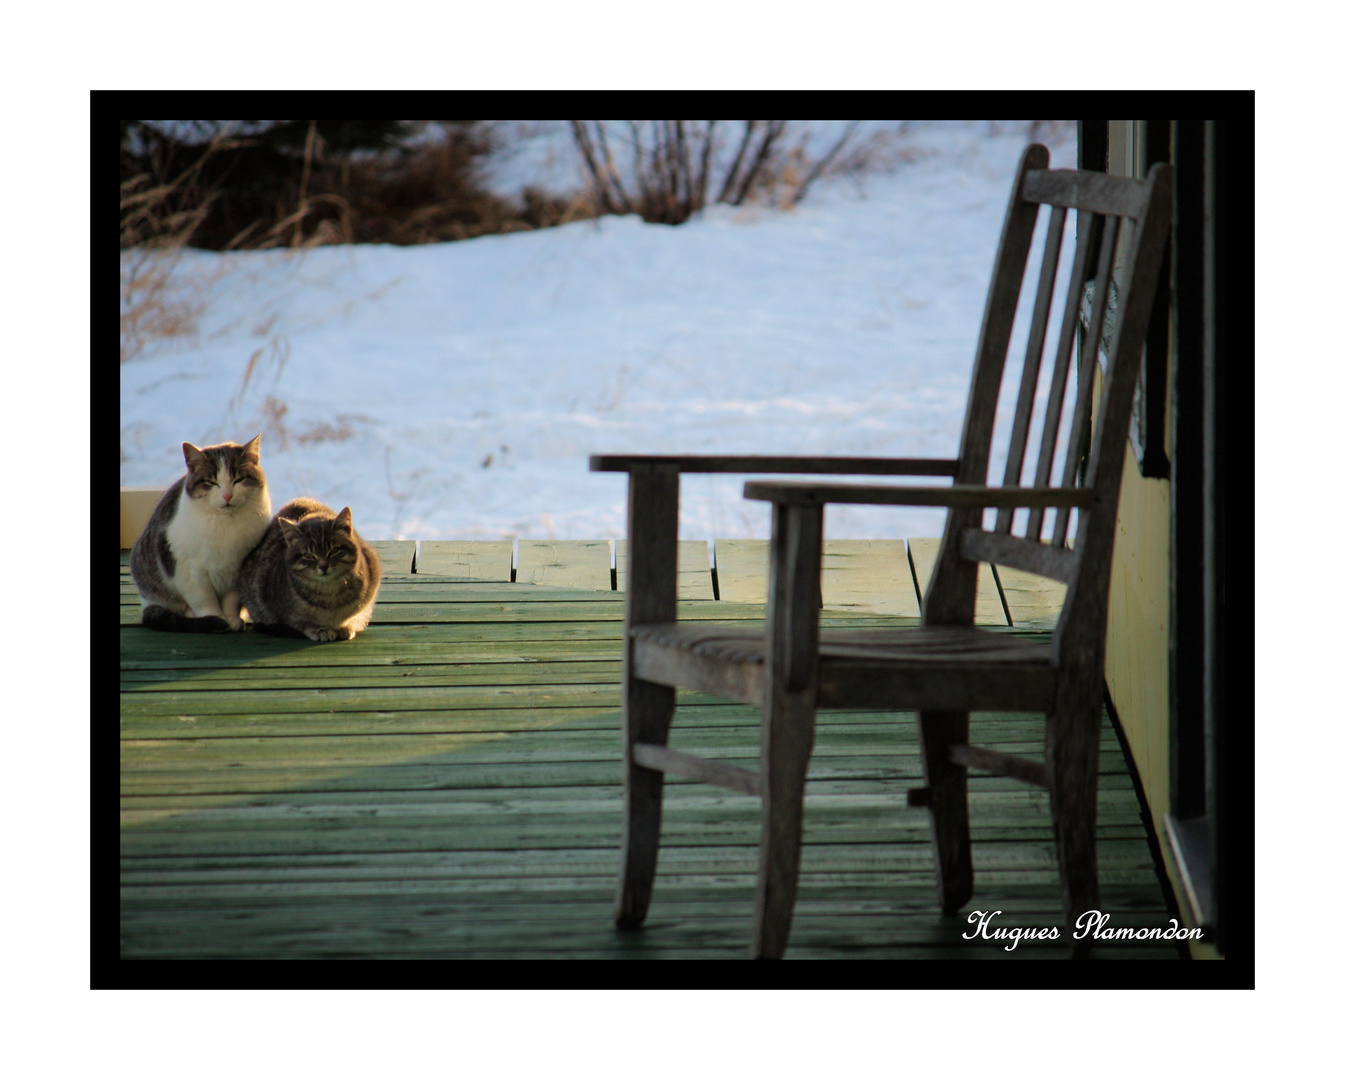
x=448, y=786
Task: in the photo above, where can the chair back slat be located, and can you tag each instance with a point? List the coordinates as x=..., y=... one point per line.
x=1083, y=403
x=1087, y=230
x=1019, y=553
x=1027, y=391
x=992, y=347
x=1094, y=192
x=1121, y=227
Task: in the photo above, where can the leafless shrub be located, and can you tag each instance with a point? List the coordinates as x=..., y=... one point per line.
x=666, y=170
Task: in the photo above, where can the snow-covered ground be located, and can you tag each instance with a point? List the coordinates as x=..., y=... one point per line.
x=456, y=390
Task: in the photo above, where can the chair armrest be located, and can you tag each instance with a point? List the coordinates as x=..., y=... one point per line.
x=725, y=463
x=804, y=493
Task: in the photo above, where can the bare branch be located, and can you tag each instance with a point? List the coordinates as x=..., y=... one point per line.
x=613, y=174
x=707, y=154
x=586, y=151
x=749, y=126
x=774, y=129
x=818, y=169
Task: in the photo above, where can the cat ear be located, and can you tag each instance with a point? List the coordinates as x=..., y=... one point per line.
x=290, y=531
x=192, y=454
x=343, y=518
x=251, y=451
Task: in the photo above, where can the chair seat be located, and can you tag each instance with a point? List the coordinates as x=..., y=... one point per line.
x=920, y=667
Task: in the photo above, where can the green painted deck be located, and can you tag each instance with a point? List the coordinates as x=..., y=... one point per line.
x=447, y=785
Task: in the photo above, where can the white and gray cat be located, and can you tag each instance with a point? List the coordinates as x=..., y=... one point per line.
x=311, y=576
x=185, y=564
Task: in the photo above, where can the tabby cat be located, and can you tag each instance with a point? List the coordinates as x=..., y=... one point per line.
x=311, y=576
x=185, y=564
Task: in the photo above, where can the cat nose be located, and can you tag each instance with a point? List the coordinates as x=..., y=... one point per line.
x=226, y=495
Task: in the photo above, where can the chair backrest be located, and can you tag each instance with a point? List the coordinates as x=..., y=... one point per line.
x=1116, y=217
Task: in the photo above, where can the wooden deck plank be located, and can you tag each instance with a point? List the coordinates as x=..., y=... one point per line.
x=989, y=607
x=574, y=564
x=448, y=785
x=742, y=567
x=857, y=575
x=693, y=569
x=398, y=556
x=480, y=560
x=1033, y=601
x=868, y=576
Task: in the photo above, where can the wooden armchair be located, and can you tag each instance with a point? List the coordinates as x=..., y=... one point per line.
x=945, y=668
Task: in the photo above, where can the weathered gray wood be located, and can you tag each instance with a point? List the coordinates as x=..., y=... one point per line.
x=571, y=564
x=480, y=560
x=989, y=608
x=652, y=756
x=945, y=796
x=857, y=575
x=870, y=576
x=1033, y=601
x=1071, y=772
x=749, y=463
x=788, y=716
x=1057, y=563
x=951, y=597
x=969, y=683
x=1027, y=389
x=971, y=496
x=1081, y=636
x=693, y=569
x=647, y=707
x=1079, y=641
x=946, y=668
x=1095, y=192
x=1083, y=404
x=898, y=667
x=1064, y=363
x=669, y=664
x=397, y=556
x=997, y=324
x=342, y=833
x=1000, y=764
x=743, y=569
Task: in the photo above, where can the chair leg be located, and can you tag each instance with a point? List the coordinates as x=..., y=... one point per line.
x=1072, y=736
x=788, y=724
x=950, y=829
x=646, y=717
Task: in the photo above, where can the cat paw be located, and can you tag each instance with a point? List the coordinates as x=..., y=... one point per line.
x=235, y=623
x=328, y=633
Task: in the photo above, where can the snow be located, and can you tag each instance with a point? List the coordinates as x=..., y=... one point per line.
x=456, y=390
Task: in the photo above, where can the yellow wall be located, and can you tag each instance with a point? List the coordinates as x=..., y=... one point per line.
x=1137, y=628
x=1138, y=613
x=1137, y=650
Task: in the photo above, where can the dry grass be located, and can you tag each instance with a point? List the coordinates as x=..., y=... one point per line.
x=212, y=196
x=161, y=213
